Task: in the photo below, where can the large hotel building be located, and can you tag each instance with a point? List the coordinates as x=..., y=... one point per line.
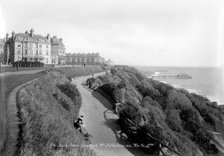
x=31, y=47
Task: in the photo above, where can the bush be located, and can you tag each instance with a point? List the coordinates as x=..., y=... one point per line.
x=174, y=121
x=200, y=135
x=108, y=89
x=71, y=91
x=177, y=100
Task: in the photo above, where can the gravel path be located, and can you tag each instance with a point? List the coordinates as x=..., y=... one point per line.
x=100, y=122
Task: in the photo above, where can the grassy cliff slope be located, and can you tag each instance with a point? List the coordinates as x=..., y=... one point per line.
x=47, y=108
x=7, y=84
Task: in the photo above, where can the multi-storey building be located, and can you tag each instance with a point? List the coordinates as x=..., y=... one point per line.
x=84, y=59
x=27, y=47
x=2, y=43
x=57, y=50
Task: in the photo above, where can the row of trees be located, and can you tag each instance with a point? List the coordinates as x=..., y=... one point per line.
x=28, y=64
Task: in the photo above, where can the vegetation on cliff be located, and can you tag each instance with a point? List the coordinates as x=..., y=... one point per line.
x=175, y=117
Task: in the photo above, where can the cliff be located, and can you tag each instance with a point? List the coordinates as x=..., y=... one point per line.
x=160, y=114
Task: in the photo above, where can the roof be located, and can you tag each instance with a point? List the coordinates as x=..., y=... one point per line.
x=28, y=36
x=56, y=41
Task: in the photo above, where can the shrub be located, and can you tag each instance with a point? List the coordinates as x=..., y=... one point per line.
x=108, y=89
x=71, y=91
x=177, y=100
x=201, y=136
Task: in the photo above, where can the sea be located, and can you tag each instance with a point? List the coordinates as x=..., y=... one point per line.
x=206, y=81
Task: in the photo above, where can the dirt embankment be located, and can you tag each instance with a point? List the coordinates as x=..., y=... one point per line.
x=178, y=119
x=47, y=108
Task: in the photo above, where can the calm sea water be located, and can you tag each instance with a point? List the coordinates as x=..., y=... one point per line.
x=208, y=82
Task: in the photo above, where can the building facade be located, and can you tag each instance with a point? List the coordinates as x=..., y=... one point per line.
x=57, y=51
x=84, y=59
x=2, y=44
x=27, y=47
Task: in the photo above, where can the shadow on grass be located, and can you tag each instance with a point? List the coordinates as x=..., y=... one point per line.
x=111, y=122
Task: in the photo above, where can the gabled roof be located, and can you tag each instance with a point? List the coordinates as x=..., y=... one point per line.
x=28, y=36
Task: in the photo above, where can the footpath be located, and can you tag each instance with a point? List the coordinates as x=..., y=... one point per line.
x=100, y=122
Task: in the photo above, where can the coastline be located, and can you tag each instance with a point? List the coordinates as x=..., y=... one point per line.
x=192, y=90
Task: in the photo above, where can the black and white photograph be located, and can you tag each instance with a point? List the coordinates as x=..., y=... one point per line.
x=112, y=78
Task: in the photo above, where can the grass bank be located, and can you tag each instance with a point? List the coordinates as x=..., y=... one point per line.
x=6, y=86
x=47, y=108
x=14, y=69
x=82, y=71
x=8, y=83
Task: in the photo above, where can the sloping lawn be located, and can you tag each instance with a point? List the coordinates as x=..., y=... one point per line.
x=6, y=86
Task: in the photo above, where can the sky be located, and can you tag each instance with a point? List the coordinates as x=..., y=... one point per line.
x=131, y=32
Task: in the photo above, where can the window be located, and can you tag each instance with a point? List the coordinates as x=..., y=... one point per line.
x=25, y=51
x=18, y=52
x=53, y=60
x=19, y=45
x=40, y=45
x=46, y=46
x=40, y=52
x=47, y=52
x=31, y=52
x=46, y=60
x=36, y=52
x=36, y=45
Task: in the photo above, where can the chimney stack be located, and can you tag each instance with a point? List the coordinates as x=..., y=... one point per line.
x=13, y=34
x=7, y=37
x=48, y=36
x=31, y=32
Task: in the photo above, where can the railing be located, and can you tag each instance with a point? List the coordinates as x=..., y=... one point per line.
x=150, y=136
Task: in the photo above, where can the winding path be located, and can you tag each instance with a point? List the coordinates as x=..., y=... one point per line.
x=101, y=123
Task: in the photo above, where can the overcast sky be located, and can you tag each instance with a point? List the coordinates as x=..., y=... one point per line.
x=133, y=32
